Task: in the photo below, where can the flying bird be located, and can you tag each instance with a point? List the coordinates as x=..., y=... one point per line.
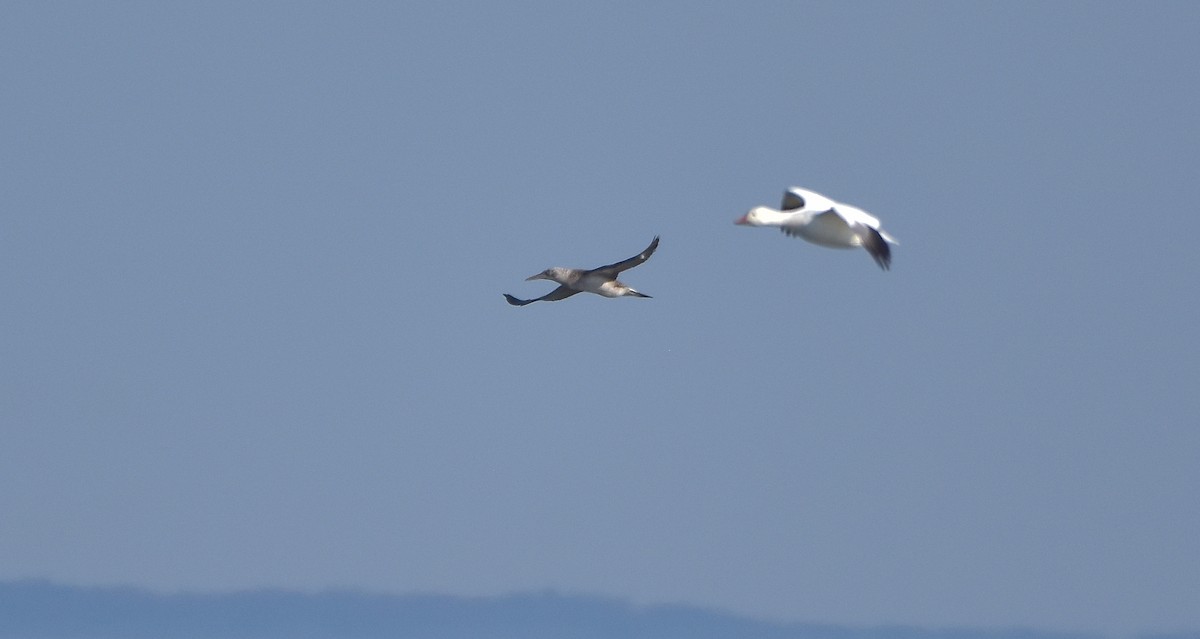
x=822, y=221
x=601, y=280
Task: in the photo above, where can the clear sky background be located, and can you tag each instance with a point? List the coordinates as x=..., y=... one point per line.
x=252, y=332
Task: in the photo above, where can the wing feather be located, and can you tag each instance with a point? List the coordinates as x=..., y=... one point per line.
x=615, y=268
x=560, y=293
x=876, y=246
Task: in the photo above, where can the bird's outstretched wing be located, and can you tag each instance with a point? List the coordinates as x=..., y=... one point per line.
x=624, y=265
x=560, y=293
x=797, y=198
x=791, y=201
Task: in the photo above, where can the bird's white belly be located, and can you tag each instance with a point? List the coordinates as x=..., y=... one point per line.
x=600, y=286
x=834, y=234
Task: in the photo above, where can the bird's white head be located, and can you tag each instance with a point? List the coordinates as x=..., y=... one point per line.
x=758, y=216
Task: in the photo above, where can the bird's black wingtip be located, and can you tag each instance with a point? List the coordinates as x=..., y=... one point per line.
x=878, y=248
x=652, y=248
x=884, y=260
x=514, y=301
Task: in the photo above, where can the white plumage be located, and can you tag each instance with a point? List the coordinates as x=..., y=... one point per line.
x=825, y=222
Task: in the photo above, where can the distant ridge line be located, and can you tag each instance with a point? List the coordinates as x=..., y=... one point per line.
x=39, y=609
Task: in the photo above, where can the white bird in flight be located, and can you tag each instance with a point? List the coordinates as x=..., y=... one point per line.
x=822, y=221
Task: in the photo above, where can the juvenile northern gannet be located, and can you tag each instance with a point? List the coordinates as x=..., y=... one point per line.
x=822, y=221
x=601, y=280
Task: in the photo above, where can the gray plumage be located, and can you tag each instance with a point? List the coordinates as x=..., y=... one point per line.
x=601, y=280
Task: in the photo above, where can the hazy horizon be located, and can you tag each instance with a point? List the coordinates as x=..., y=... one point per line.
x=32, y=609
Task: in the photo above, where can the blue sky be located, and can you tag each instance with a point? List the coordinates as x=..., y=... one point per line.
x=252, y=254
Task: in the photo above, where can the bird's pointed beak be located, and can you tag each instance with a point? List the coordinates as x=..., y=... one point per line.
x=745, y=219
x=539, y=276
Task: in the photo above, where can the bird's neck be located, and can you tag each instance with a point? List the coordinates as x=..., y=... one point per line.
x=768, y=216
